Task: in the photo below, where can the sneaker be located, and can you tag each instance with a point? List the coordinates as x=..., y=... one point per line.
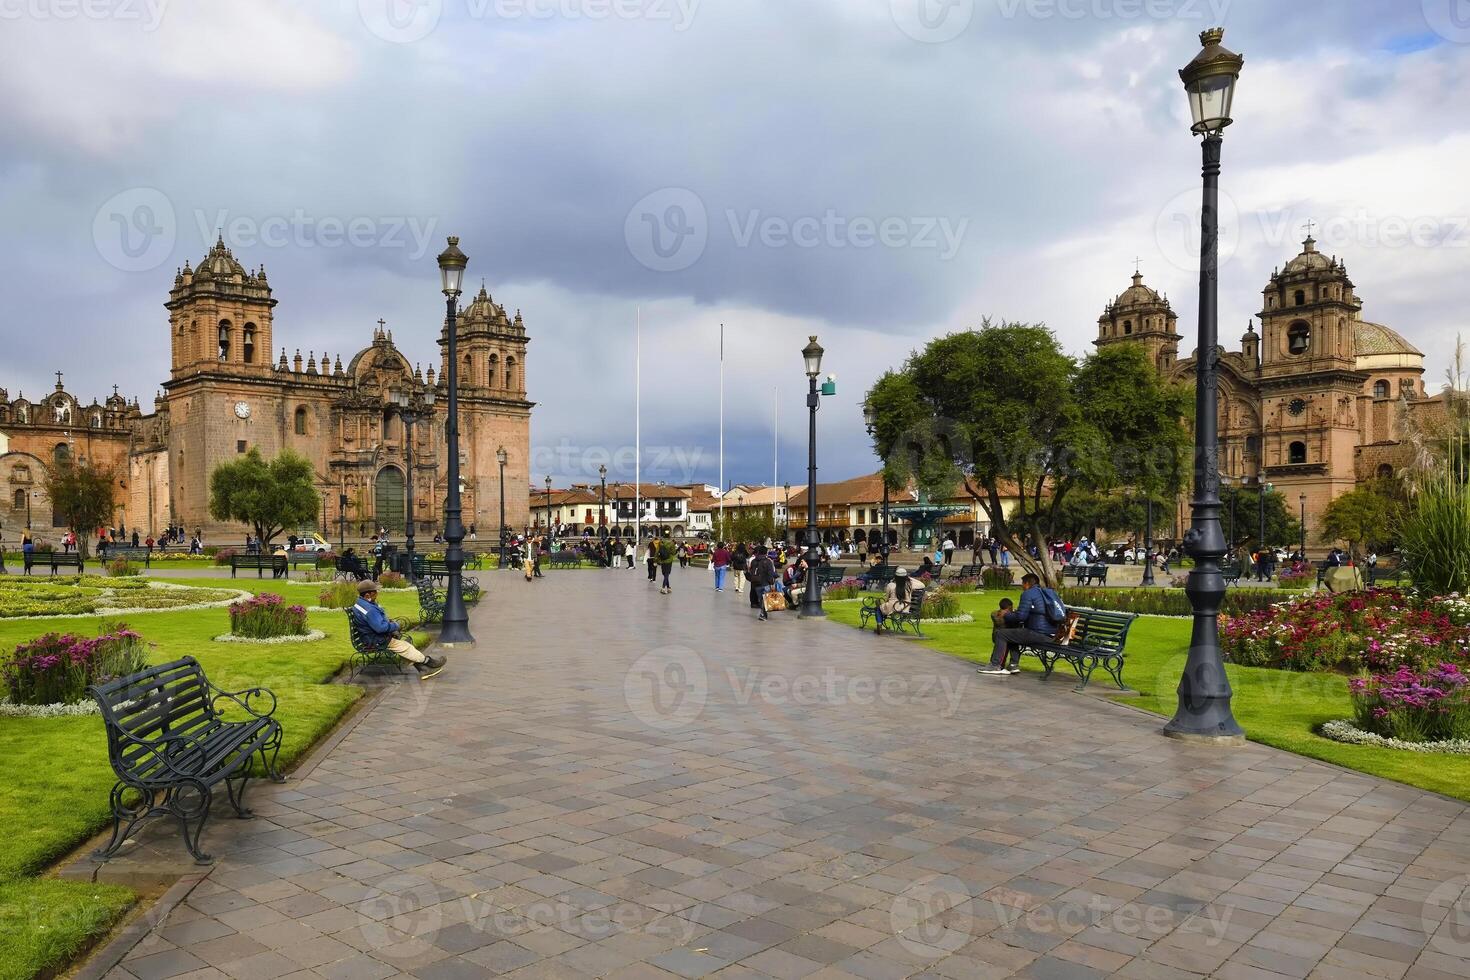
x=430, y=667
x=991, y=669
x=762, y=617
x=1014, y=670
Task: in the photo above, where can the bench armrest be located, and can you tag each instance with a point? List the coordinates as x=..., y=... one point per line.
x=244, y=699
x=166, y=750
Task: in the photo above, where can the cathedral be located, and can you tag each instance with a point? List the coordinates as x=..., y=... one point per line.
x=225, y=395
x=1314, y=402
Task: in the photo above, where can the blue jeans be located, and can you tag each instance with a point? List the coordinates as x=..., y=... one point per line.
x=720, y=575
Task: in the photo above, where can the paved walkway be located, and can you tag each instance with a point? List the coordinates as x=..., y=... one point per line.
x=620, y=784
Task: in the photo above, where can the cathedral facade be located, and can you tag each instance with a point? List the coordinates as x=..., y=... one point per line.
x=226, y=395
x=1315, y=402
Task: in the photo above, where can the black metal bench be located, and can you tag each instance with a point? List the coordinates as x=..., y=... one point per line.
x=298, y=558
x=431, y=604
x=564, y=559
x=436, y=570
x=828, y=575
x=1231, y=572
x=370, y=649
x=275, y=564
x=969, y=571
x=1086, y=574
x=351, y=568
x=145, y=555
x=62, y=559
x=877, y=576
x=1098, y=642
x=911, y=618
x=169, y=746
x=1396, y=575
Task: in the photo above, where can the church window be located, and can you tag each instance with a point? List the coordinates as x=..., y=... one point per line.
x=387, y=426
x=61, y=453
x=4, y=414
x=21, y=474
x=1380, y=389
x=96, y=421
x=20, y=498
x=224, y=340
x=469, y=370
x=1252, y=445
x=1301, y=298
x=20, y=415
x=510, y=372
x=1127, y=327
x=240, y=445
x=247, y=344
x=1385, y=472
x=301, y=421
x=1299, y=337
x=1297, y=453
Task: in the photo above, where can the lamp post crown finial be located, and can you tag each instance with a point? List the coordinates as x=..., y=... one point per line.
x=1212, y=35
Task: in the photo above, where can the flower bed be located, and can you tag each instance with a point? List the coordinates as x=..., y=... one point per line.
x=1411, y=705
x=309, y=637
x=1379, y=631
x=1165, y=602
x=84, y=595
x=57, y=668
x=339, y=595
x=266, y=616
x=1346, y=732
x=123, y=568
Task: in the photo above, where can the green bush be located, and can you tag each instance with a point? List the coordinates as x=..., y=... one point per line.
x=995, y=577
x=57, y=668
x=339, y=595
x=1166, y=602
x=122, y=568
x=267, y=616
x=940, y=603
x=1434, y=537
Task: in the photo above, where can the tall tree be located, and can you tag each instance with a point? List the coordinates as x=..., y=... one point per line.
x=269, y=497
x=1006, y=407
x=1364, y=518
x=82, y=493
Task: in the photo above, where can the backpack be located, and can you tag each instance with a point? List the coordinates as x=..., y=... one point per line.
x=1051, y=604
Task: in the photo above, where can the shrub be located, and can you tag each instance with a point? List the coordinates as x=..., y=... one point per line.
x=940, y=603
x=962, y=584
x=313, y=575
x=265, y=616
x=848, y=588
x=122, y=568
x=1298, y=578
x=391, y=580
x=1165, y=602
x=1414, y=706
x=339, y=595
x=1434, y=536
x=995, y=577
x=222, y=556
x=57, y=668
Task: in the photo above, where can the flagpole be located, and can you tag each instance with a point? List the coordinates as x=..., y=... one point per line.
x=637, y=429
x=721, y=532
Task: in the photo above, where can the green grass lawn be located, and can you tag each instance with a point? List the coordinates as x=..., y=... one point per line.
x=55, y=778
x=1275, y=707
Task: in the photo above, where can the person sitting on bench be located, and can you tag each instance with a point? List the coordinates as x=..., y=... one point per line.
x=372, y=616
x=1034, y=621
x=898, y=597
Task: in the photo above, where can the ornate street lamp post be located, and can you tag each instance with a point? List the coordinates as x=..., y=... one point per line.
x=811, y=602
x=1229, y=483
x=1262, y=488
x=602, y=503
x=501, y=456
x=1148, y=541
x=550, y=533
x=412, y=407
x=1303, y=501
x=786, y=515
x=1204, y=690
x=456, y=629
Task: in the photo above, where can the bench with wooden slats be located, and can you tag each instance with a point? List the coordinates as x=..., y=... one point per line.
x=1098, y=642
x=62, y=559
x=275, y=564
x=370, y=649
x=170, y=745
x=145, y=555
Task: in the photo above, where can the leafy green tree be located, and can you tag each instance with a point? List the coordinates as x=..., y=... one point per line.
x=268, y=497
x=1006, y=407
x=750, y=524
x=1364, y=518
x=1282, y=527
x=83, y=495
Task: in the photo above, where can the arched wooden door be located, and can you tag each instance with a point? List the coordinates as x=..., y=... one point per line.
x=388, y=499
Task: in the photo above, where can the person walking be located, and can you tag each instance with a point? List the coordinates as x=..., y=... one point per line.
x=667, y=555
x=629, y=552
x=27, y=551
x=720, y=562
x=739, y=562
x=948, y=549
x=762, y=579
x=650, y=559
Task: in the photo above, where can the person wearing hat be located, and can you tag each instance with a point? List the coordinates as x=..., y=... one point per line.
x=897, y=595
x=371, y=616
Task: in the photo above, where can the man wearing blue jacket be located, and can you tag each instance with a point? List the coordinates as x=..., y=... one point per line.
x=371, y=615
x=1032, y=622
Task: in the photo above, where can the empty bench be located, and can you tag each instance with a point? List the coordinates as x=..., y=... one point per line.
x=169, y=747
x=275, y=564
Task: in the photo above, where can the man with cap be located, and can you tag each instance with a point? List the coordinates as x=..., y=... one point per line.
x=371, y=615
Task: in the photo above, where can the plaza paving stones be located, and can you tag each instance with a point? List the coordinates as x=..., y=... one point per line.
x=620, y=784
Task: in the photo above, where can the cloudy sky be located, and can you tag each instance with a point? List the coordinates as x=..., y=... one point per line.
x=875, y=172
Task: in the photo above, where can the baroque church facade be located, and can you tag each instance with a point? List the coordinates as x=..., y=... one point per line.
x=226, y=395
x=1314, y=403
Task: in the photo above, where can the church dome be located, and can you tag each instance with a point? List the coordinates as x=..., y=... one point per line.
x=219, y=263
x=1380, y=348
x=1137, y=294
x=1310, y=260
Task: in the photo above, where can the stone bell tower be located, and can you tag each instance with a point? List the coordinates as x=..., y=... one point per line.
x=1139, y=315
x=220, y=317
